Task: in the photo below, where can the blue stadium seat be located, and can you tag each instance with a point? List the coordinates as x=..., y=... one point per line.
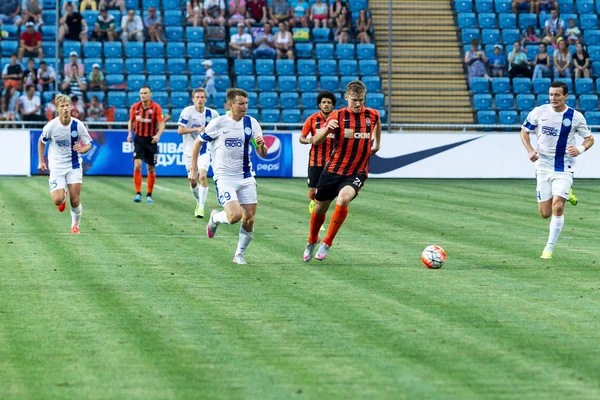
x=327, y=67
x=484, y=6
x=171, y=4
x=466, y=20
x=178, y=82
x=174, y=33
x=246, y=82
x=503, y=6
x=501, y=85
x=490, y=36
x=375, y=100
x=469, y=34
x=368, y=67
x=196, y=68
x=146, y=4
x=285, y=67
x=592, y=36
x=114, y=79
x=252, y=99
x=92, y=49
x=324, y=51
x=596, y=69
x=10, y=47
x=365, y=51
x=290, y=116
x=220, y=66
x=482, y=102
x=340, y=101
x=588, y=102
x=270, y=115
x=541, y=85
x=307, y=67
x=487, y=20
x=47, y=96
x=510, y=36
x=594, y=52
x=180, y=99
x=289, y=100
x=330, y=82
x=532, y=50
x=527, y=19
x=321, y=35
x=89, y=62
x=132, y=4
x=117, y=99
x=175, y=50
x=155, y=66
x=162, y=98
x=266, y=83
x=592, y=117
x=176, y=113
x=121, y=114
x=307, y=112
x=564, y=17
x=566, y=6
x=113, y=50
x=344, y=51
x=49, y=17
x=525, y=102
x=265, y=67
x=309, y=99
x=567, y=81
x=135, y=81
x=134, y=49
x=90, y=17
x=219, y=100
x=487, y=118
x=304, y=50
x=480, y=85
x=49, y=48
x=155, y=50
x=523, y=116
x=543, y=99
x=194, y=34
x=287, y=83
x=505, y=102
x=222, y=83
x=268, y=100
x=68, y=46
x=175, y=66
x=196, y=50
x=589, y=21
x=508, y=117
x=344, y=80
x=583, y=7
x=307, y=83
x=252, y=112
x=243, y=67
x=571, y=101
x=463, y=5
x=157, y=82
x=507, y=21
x=522, y=85
x=349, y=67
x=115, y=66
x=117, y=15
x=173, y=17
x=134, y=65
x=373, y=83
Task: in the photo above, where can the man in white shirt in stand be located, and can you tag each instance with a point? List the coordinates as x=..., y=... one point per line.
x=133, y=27
x=240, y=43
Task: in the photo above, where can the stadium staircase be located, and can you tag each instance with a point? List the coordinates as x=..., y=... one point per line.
x=428, y=81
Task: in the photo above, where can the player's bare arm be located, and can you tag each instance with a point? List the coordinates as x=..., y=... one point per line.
x=182, y=130
x=41, y=150
x=82, y=149
x=306, y=139
x=574, y=151
x=533, y=155
x=261, y=147
x=377, y=141
x=323, y=132
x=161, y=129
x=195, y=152
x=129, y=131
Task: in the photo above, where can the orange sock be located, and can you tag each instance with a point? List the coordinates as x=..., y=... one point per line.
x=150, y=181
x=337, y=219
x=137, y=180
x=316, y=222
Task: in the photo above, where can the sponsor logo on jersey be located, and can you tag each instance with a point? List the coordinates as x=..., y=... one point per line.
x=549, y=131
x=364, y=135
x=233, y=143
x=63, y=143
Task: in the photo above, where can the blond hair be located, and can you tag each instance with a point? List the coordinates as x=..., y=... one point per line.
x=356, y=88
x=199, y=90
x=60, y=98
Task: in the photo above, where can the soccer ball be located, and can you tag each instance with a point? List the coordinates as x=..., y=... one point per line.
x=433, y=257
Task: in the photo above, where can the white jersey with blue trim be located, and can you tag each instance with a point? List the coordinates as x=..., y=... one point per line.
x=192, y=118
x=230, y=143
x=555, y=132
x=61, y=138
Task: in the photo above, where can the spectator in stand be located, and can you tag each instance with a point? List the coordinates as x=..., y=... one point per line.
x=530, y=36
x=46, y=77
x=10, y=12
x=95, y=110
x=209, y=79
x=133, y=28
x=240, y=44
x=363, y=27
x=113, y=5
x=30, y=43
x=265, y=43
x=279, y=11
x=10, y=104
x=214, y=13
x=541, y=63
x=517, y=63
x=581, y=62
x=12, y=73
x=78, y=110
x=104, y=29
x=284, y=42
x=88, y=5
x=50, y=109
x=96, y=80
x=343, y=23
x=30, y=77
x=32, y=12
x=318, y=13
x=193, y=12
x=572, y=33
x=72, y=26
x=300, y=13
x=562, y=60
x=74, y=61
x=523, y=5
x=476, y=62
x=237, y=12
x=497, y=62
x=154, y=26
x=335, y=9
x=74, y=3
x=256, y=12
x=75, y=83
x=554, y=26
x=31, y=105
x=545, y=5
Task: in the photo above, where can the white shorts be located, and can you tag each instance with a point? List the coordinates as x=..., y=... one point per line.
x=59, y=179
x=553, y=184
x=203, y=162
x=242, y=190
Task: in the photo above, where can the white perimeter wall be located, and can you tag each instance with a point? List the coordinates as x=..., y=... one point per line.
x=14, y=152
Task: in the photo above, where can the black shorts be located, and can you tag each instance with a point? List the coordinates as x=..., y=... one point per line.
x=145, y=150
x=330, y=185
x=314, y=173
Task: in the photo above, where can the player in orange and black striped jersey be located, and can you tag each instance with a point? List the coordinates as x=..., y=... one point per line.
x=357, y=136
x=319, y=153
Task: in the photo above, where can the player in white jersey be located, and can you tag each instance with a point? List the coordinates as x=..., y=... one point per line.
x=68, y=139
x=230, y=137
x=192, y=121
x=555, y=126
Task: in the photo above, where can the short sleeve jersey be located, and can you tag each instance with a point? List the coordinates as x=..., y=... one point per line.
x=146, y=119
x=192, y=118
x=318, y=153
x=230, y=143
x=555, y=132
x=61, y=139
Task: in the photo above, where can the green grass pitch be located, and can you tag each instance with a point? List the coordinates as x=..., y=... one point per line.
x=142, y=305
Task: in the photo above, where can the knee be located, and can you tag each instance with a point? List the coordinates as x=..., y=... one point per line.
x=234, y=216
x=248, y=223
x=193, y=182
x=558, y=209
x=203, y=181
x=344, y=199
x=545, y=214
x=58, y=201
x=75, y=202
